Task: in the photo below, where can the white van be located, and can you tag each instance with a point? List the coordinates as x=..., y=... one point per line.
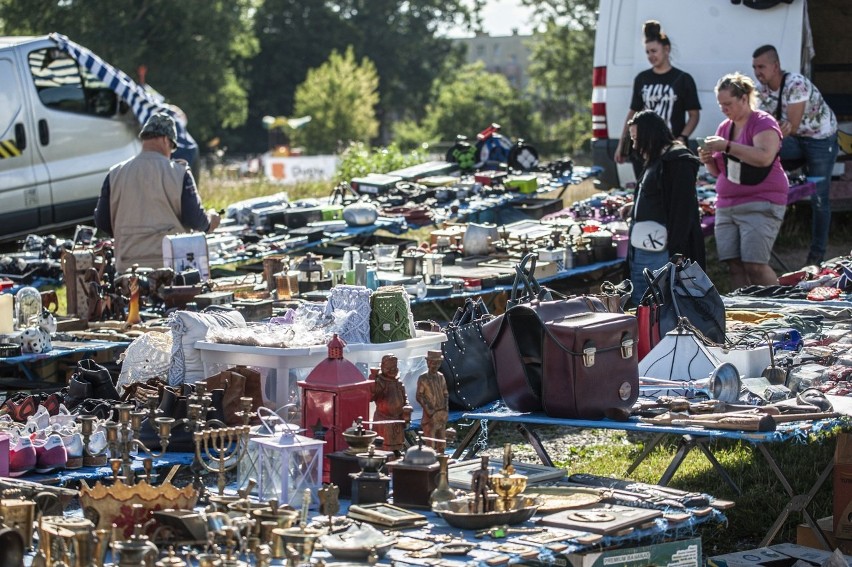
x=709, y=39
x=63, y=125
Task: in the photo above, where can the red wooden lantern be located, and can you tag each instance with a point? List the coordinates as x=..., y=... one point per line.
x=334, y=395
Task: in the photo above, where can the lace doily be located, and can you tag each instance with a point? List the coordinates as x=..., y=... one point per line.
x=148, y=356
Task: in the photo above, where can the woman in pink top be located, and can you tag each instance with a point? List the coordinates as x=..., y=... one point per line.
x=751, y=187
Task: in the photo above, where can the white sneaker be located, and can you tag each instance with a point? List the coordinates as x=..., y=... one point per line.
x=64, y=417
x=39, y=421
x=74, y=448
x=50, y=454
x=22, y=456
x=97, y=442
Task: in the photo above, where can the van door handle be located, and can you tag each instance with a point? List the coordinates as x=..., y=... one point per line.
x=20, y=137
x=43, y=132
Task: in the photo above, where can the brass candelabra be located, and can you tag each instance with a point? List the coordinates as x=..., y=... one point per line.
x=123, y=437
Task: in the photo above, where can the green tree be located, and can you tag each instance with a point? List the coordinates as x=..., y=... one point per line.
x=561, y=62
x=194, y=51
x=340, y=96
x=290, y=45
x=400, y=37
x=471, y=99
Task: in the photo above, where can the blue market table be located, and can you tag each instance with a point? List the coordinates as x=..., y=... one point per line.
x=691, y=437
x=66, y=352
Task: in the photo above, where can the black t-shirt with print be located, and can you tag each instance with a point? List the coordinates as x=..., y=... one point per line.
x=670, y=95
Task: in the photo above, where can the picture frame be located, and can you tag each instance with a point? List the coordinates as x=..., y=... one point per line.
x=384, y=514
x=459, y=474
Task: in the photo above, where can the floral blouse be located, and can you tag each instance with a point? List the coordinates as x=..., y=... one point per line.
x=818, y=121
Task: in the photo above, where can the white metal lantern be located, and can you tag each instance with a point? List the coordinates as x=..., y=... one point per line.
x=286, y=465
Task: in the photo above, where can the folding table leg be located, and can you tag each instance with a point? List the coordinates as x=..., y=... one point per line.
x=478, y=432
x=645, y=452
x=687, y=443
x=441, y=311
x=798, y=502
x=533, y=439
x=702, y=444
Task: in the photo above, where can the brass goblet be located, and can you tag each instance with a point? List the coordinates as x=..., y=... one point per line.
x=507, y=485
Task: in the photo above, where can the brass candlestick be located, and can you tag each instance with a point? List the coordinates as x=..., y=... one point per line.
x=87, y=428
x=122, y=437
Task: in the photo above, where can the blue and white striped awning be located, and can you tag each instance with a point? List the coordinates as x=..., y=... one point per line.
x=141, y=102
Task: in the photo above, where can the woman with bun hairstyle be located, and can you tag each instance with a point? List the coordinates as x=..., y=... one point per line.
x=665, y=89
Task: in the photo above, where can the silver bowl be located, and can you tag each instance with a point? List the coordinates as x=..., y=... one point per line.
x=457, y=513
x=361, y=554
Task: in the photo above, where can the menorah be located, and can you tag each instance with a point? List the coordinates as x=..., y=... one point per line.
x=219, y=450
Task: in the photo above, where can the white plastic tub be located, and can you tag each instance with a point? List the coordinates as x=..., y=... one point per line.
x=294, y=364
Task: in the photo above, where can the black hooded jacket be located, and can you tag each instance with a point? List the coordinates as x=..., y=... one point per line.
x=667, y=195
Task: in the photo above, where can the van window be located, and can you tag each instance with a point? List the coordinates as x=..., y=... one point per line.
x=61, y=86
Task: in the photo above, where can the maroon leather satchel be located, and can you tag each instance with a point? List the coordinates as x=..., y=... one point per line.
x=518, y=340
x=590, y=365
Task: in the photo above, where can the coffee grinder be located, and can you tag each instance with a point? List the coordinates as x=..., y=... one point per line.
x=370, y=486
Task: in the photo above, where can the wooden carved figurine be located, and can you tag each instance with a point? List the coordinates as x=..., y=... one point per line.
x=391, y=401
x=133, y=317
x=433, y=397
x=480, y=483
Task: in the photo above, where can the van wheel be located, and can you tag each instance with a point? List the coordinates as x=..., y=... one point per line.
x=760, y=4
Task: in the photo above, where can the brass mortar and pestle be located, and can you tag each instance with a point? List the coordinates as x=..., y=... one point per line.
x=299, y=541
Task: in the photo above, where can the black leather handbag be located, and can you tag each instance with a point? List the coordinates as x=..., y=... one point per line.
x=468, y=366
x=681, y=289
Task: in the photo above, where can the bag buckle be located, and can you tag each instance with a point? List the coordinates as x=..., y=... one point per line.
x=627, y=348
x=589, y=355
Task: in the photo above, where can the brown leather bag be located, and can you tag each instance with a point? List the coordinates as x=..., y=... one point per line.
x=590, y=365
x=517, y=343
x=234, y=386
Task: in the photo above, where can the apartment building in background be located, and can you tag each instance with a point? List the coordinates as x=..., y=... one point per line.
x=508, y=55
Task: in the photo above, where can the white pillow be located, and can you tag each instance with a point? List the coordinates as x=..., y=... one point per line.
x=187, y=328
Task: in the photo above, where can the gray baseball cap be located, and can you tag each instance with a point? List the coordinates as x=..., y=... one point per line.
x=160, y=125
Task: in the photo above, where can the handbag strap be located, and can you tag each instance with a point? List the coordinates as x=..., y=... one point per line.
x=672, y=282
x=473, y=310
x=525, y=277
x=653, y=293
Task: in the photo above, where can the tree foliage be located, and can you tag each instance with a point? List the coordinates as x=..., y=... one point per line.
x=561, y=62
x=398, y=36
x=470, y=100
x=340, y=96
x=194, y=51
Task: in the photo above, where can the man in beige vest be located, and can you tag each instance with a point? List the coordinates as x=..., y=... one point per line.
x=149, y=196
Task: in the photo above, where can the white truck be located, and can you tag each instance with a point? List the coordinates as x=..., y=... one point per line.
x=62, y=126
x=709, y=39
